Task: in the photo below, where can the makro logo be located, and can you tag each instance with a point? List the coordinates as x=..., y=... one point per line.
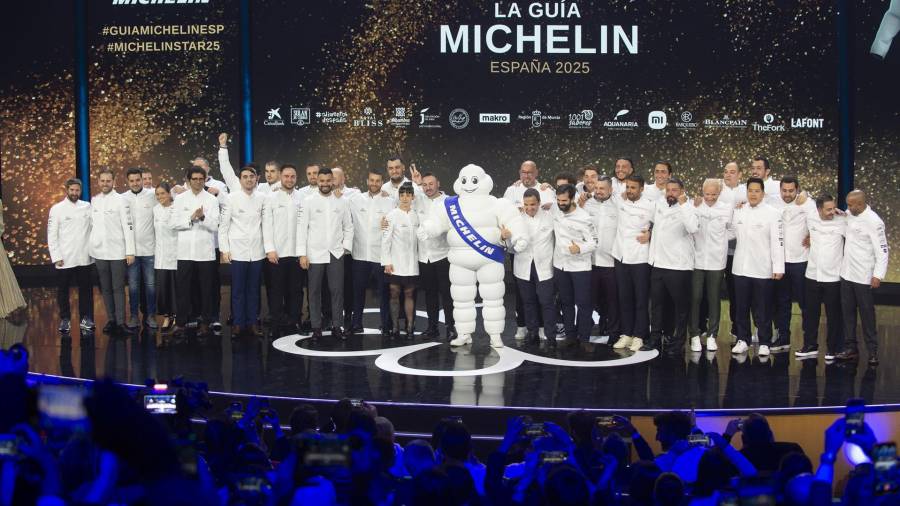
x=491, y=117
x=158, y=2
x=657, y=120
x=807, y=122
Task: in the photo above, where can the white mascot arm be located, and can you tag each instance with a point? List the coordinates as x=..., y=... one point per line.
x=509, y=216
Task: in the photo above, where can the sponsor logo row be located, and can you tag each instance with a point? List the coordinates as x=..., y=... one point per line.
x=459, y=118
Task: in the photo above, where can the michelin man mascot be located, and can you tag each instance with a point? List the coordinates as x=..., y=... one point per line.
x=473, y=221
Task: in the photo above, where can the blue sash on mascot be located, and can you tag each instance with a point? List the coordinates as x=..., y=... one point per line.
x=468, y=232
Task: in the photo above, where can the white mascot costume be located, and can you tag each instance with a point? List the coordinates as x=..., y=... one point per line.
x=472, y=222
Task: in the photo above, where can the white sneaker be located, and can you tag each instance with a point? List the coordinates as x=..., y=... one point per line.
x=711, y=344
x=541, y=334
x=496, y=342
x=695, y=344
x=636, y=344
x=461, y=340
x=763, y=351
x=623, y=342
x=740, y=348
x=521, y=332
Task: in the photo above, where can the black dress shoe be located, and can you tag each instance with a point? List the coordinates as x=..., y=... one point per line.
x=432, y=331
x=316, y=334
x=451, y=333
x=306, y=327
x=110, y=326
x=357, y=331
x=338, y=333
x=532, y=338
x=847, y=355
x=409, y=333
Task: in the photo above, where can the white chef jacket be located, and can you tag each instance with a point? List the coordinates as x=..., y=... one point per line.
x=606, y=221
x=435, y=248
x=394, y=191
x=281, y=215
x=142, y=205
x=240, y=227
x=826, y=247
x=760, y=244
x=112, y=233
x=618, y=187
x=540, y=237
x=266, y=188
x=672, y=240
x=634, y=218
x=366, y=212
x=196, y=239
x=576, y=226
x=348, y=192
x=865, y=248
x=308, y=190
x=67, y=227
x=653, y=192
x=515, y=194
x=711, y=237
x=165, y=254
x=772, y=189
x=232, y=181
x=399, y=244
x=325, y=228
x=794, y=217
x=733, y=196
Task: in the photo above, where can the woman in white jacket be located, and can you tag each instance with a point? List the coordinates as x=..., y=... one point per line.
x=165, y=258
x=400, y=258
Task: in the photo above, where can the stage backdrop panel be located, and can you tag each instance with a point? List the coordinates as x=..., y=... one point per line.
x=876, y=100
x=566, y=84
x=37, y=124
x=164, y=81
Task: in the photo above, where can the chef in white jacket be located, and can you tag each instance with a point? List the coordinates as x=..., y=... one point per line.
x=367, y=211
x=68, y=225
x=324, y=236
x=603, y=206
x=710, y=259
x=632, y=253
x=112, y=247
x=790, y=288
x=241, y=244
x=281, y=214
x=165, y=257
x=672, y=260
x=758, y=262
x=575, y=241
x=827, y=229
x=533, y=269
x=400, y=258
x=196, y=219
x=864, y=266
x=140, y=273
x=434, y=266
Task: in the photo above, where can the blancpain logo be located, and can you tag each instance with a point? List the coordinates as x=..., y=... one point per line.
x=725, y=122
x=490, y=117
x=158, y=2
x=807, y=122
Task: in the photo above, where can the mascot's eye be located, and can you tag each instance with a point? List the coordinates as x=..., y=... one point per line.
x=475, y=180
x=464, y=180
